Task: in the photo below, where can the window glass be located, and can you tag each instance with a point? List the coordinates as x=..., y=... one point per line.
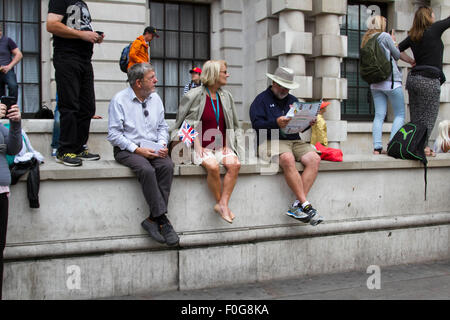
x=359, y=104
x=21, y=22
x=183, y=44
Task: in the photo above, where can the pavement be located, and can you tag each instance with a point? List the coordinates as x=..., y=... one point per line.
x=425, y=281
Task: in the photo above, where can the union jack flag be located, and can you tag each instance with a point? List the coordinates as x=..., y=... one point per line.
x=187, y=134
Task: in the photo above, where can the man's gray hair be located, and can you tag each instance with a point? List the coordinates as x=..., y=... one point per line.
x=138, y=71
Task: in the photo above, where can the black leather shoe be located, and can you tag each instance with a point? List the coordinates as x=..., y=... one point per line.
x=169, y=234
x=153, y=230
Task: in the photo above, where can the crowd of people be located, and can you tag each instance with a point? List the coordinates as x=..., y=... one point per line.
x=141, y=138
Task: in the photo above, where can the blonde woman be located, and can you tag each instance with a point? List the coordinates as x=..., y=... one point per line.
x=389, y=89
x=425, y=79
x=211, y=111
x=442, y=143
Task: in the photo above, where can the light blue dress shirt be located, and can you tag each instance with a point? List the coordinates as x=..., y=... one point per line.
x=127, y=124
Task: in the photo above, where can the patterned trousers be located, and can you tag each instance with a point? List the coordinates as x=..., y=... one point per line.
x=424, y=94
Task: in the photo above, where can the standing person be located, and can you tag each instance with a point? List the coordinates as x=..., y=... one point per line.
x=195, y=79
x=210, y=110
x=10, y=143
x=391, y=88
x=139, y=134
x=139, y=50
x=424, y=80
x=10, y=55
x=73, y=40
x=267, y=112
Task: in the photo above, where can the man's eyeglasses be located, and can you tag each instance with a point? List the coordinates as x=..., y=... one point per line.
x=144, y=106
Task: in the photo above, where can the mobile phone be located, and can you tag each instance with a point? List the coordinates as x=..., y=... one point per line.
x=8, y=101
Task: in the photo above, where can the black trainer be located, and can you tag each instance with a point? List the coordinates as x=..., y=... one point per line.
x=87, y=156
x=314, y=218
x=169, y=234
x=153, y=230
x=69, y=159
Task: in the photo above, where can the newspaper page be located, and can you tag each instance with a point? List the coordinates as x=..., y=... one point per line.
x=301, y=114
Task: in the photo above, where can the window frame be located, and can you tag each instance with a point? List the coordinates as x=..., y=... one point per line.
x=360, y=84
x=179, y=58
x=4, y=20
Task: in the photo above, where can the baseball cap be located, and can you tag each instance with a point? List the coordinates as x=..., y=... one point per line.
x=151, y=30
x=196, y=69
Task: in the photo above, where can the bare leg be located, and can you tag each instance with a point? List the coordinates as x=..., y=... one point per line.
x=292, y=176
x=311, y=162
x=232, y=164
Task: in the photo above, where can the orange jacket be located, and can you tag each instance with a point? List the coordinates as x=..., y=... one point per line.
x=138, y=51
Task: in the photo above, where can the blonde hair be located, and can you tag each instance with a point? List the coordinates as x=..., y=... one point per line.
x=211, y=72
x=423, y=18
x=375, y=24
x=443, y=136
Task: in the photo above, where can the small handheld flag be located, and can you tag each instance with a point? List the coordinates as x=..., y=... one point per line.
x=187, y=134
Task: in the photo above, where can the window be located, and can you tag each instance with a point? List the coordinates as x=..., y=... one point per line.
x=20, y=20
x=359, y=104
x=183, y=44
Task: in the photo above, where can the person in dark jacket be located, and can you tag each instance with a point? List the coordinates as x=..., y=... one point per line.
x=424, y=80
x=268, y=112
x=10, y=143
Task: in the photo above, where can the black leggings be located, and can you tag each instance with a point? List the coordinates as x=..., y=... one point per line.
x=3, y=226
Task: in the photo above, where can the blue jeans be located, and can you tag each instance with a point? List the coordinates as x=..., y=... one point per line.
x=11, y=81
x=380, y=101
x=56, y=129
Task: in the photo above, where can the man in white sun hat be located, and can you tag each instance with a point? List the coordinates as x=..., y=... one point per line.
x=267, y=112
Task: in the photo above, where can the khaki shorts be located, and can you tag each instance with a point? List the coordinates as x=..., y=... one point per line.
x=272, y=148
x=207, y=154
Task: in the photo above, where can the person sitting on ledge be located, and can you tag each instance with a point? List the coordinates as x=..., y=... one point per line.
x=139, y=134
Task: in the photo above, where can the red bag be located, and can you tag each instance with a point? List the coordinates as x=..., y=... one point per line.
x=330, y=154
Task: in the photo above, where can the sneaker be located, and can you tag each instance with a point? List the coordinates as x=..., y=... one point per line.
x=54, y=152
x=169, y=234
x=69, y=159
x=296, y=212
x=87, y=156
x=314, y=218
x=153, y=230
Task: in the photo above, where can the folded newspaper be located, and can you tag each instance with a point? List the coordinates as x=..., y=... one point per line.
x=301, y=114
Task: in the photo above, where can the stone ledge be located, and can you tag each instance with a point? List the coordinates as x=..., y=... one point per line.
x=214, y=237
x=106, y=169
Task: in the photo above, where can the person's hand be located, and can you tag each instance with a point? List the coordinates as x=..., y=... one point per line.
x=90, y=36
x=97, y=117
x=146, y=153
x=5, y=69
x=2, y=110
x=413, y=63
x=226, y=150
x=283, y=121
x=313, y=122
x=100, y=40
x=163, y=152
x=13, y=113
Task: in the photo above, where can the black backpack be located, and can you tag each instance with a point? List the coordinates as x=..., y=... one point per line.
x=409, y=143
x=373, y=65
x=125, y=58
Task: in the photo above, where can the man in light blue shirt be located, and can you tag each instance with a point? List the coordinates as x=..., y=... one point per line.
x=139, y=134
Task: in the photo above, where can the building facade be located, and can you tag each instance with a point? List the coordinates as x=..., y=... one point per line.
x=319, y=39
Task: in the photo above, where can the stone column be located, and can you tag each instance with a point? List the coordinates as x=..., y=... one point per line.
x=266, y=27
x=292, y=43
x=227, y=42
x=329, y=49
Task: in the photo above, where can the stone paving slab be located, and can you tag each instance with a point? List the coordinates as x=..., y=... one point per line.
x=402, y=282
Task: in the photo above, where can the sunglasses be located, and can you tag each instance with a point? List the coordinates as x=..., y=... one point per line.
x=144, y=106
